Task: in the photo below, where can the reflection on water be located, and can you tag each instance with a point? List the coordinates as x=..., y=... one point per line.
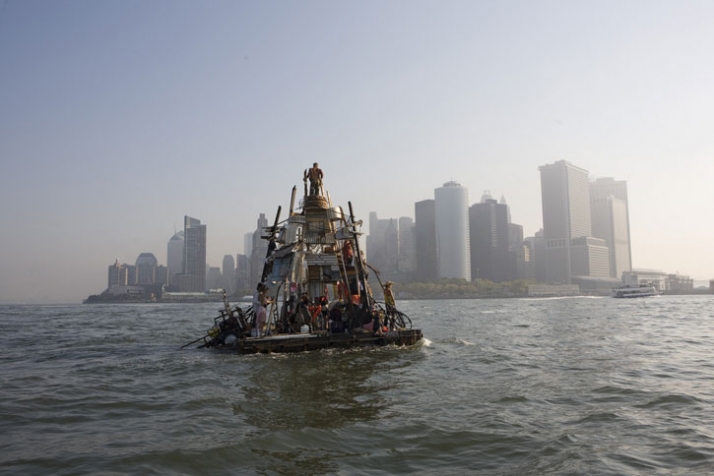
x=297, y=403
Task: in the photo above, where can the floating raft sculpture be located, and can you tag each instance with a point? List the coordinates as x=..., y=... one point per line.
x=314, y=291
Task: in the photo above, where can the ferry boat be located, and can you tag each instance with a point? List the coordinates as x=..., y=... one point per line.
x=314, y=291
x=635, y=291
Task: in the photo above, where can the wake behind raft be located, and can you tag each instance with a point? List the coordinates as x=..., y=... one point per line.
x=314, y=291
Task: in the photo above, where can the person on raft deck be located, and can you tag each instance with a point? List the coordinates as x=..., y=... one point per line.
x=389, y=296
x=315, y=175
x=260, y=304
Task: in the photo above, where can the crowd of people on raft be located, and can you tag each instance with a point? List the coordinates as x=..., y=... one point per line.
x=300, y=313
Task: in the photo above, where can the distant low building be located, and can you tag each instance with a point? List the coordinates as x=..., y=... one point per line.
x=656, y=278
x=679, y=284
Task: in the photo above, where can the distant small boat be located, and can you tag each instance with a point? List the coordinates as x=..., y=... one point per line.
x=635, y=291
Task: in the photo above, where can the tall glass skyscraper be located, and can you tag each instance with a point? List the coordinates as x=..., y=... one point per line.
x=193, y=277
x=452, y=231
x=174, y=258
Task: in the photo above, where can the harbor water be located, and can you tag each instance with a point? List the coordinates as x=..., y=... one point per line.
x=499, y=387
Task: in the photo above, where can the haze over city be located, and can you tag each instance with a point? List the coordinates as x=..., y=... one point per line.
x=119, y=118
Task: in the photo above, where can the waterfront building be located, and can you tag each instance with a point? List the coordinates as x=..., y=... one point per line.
x=427, y=268
x=679, y=284
x=193, y=274
x=174, y=258
x=611, y=221
x=214, y=278
x=489, y=247
x=229, y=274
x=161, y=276
x=535, y=262
x=117, y=275
x=452, y=231
x=654, y=277
x=407, y=249
x=248, y=243
x=589, y=256
x=130, y=274
x=382, y=245
x=516, y=249
x=565, y=194
x=146, y=264
x=243, y=282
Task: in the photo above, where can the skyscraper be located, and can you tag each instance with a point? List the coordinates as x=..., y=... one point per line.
x=452, y=231
x=174, y=258
x=427, y=268
x=117, y=275
x=565, y=191
x=259, y=250
x=193, y=276
x=248, y=243
x=488, y=227
x=382, y=245
x=516, y=249
x=214, y=278
x=407, y=252
x=243, y=282
x=146, y=265
x=229, y=274
x=611, y=221
x=535, y=264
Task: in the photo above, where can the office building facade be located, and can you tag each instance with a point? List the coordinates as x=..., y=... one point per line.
x=174, y=258
x=611, y=221
x=193, y=275
x=145, y=265
x=382, y=245
x=427, y=264
x=488, y=228
x=407, y=249
x=565, y=194
x=452, y=231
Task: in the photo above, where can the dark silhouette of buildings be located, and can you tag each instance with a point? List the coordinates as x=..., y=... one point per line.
x=491, y=255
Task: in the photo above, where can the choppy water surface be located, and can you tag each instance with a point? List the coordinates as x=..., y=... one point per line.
x=544, y=386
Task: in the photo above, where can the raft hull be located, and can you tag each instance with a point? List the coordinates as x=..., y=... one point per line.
x=290, y=343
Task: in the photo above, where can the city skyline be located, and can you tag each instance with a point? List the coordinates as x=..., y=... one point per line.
x=585, y=218
x=119, y=118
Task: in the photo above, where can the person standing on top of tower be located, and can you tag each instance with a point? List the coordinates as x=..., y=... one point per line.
x=315, y=175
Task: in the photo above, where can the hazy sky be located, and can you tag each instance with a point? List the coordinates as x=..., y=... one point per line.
x=117, y=118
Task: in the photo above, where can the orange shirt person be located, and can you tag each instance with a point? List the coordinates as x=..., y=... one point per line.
x=315, y=175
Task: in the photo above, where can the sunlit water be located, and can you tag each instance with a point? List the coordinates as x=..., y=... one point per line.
x=517, y=387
